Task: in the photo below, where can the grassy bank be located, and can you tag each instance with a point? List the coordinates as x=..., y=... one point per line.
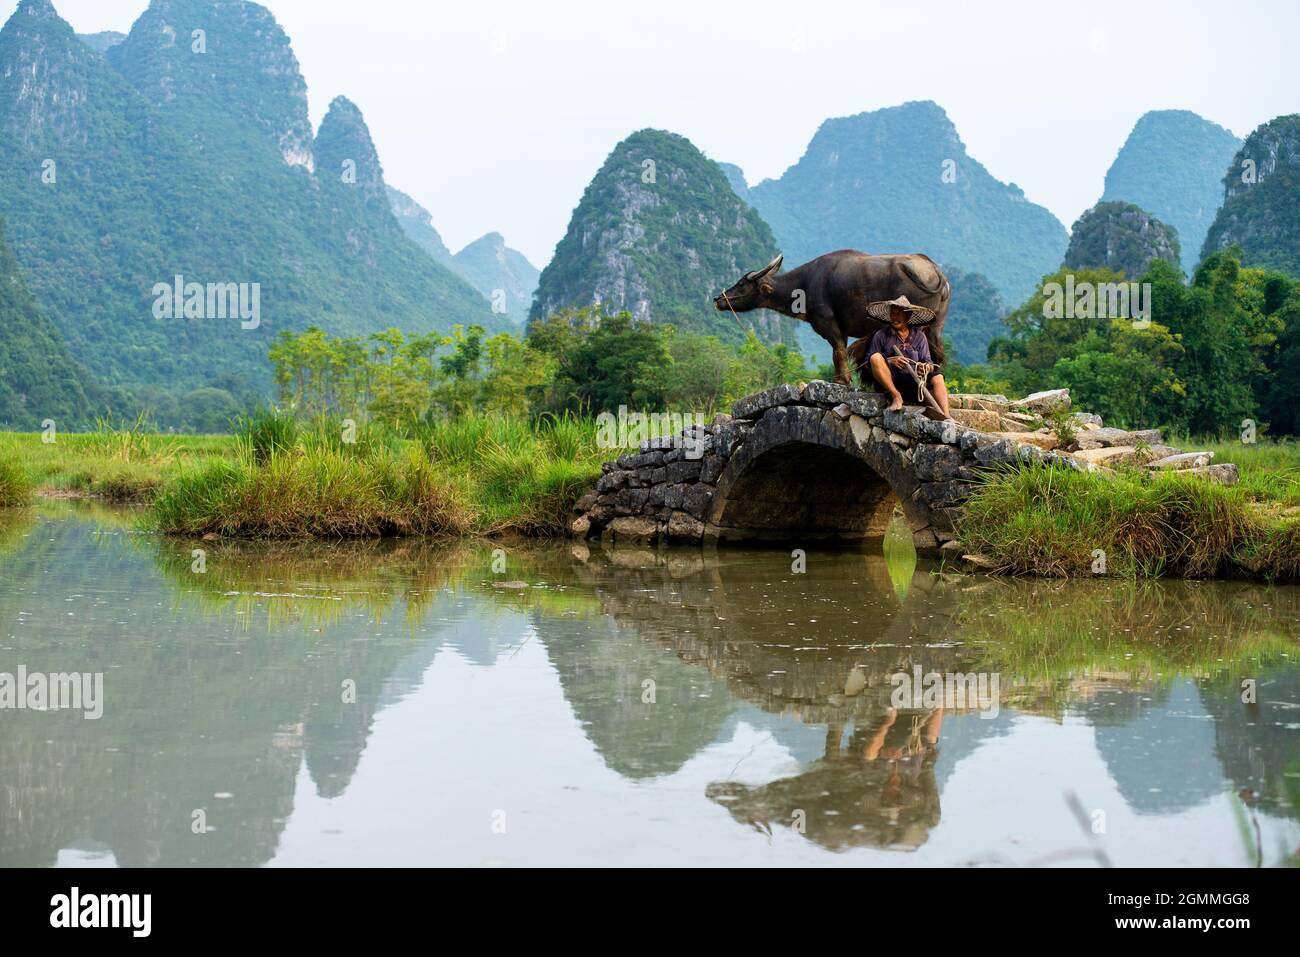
x=277, y=478
x=475, y=474
x=312, y=493
x=1052, y=521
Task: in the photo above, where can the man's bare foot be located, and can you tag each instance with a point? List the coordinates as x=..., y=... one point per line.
x=896, y=404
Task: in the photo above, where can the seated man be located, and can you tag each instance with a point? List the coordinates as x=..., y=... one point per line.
x=890, y=349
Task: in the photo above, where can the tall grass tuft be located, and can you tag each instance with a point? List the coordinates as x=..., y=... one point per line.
x=314, y=493
x=1053, y=521
x=128, y=442
x=524, y=477
x=15, y=486
x=266, y=432
x=125, y=482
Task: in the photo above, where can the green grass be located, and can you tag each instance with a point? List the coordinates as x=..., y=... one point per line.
x=1270, y=468
x=265, y=433
x=1052, y=521
x=470, y=475
x=523, y=477
x=118, y=464
x=15, y=486
x=280, y=478
x=314, y=492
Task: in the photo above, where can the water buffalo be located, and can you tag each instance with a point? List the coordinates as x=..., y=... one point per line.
x=832, y=293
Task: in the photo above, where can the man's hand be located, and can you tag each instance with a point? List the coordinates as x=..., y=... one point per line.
x=898, y=362
x=925, y=368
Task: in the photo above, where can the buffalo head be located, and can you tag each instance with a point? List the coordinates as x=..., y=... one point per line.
x=751, y=290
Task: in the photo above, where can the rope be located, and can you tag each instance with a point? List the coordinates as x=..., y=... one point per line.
x=920, y=378
x=727, y=300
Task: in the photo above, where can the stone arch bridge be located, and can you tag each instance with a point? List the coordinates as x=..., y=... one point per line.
x=824, y=463
x=813, y=463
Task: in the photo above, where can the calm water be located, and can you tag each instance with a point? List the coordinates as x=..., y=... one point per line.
x=628, y=707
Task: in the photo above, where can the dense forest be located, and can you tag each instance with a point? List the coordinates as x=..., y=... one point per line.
x=1211, y=355
x=38, y=379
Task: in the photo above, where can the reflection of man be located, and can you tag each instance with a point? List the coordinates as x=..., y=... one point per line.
x=897, y=356
x=879, y=791
x=907, y=747
x=922, y=732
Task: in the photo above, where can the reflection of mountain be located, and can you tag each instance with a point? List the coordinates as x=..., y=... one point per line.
x=738, y=620
x=475, y=638
x=230, y=683
x=1154, y=741
x=335, y=733
x=1259, y=744
x=195, y=706
x=803, y=742
x=603, y=666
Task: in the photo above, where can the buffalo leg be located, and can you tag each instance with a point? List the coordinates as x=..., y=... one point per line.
x=840, y=355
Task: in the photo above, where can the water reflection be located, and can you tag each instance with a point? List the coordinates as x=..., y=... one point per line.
x=759, y=694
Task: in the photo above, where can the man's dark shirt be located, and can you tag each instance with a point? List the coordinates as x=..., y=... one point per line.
x=916, y=348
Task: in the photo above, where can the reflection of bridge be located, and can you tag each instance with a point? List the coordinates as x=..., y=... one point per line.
x=241, y=701
x=682, y=617
x=823, y=464
x=876, y=777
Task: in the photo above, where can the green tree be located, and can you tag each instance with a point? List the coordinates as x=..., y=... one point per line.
x=762, y=367
x=1280, y=407
x=1225, y=336
x=462, y=375
x=514, y=372
x=698, y=375
x=1127, y=375
x=602, y=362
x=1215, y=352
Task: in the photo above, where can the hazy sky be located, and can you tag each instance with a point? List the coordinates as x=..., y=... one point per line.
x=495, y=115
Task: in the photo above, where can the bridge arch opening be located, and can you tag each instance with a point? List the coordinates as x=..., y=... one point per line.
x=801, y=492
